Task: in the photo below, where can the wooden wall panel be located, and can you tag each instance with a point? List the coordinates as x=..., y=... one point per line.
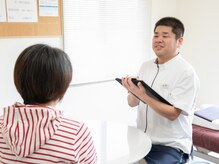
x=46, y=26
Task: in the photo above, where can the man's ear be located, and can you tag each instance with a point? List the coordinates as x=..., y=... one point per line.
x=180, y=42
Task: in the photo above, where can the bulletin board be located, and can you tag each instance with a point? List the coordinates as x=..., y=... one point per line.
x=45, y=26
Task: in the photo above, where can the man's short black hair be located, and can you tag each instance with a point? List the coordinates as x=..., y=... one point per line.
x=177, y=26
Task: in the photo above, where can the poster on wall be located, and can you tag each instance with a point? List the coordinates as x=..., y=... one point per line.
x=48, y=8
x=22, y=11
x=2, y=11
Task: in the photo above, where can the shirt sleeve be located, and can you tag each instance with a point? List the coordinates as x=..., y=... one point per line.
x=184, y=94
x=86, y=150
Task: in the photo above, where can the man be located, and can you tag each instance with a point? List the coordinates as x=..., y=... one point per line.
x=168, y=126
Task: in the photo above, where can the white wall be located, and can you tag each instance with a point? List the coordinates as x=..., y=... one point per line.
x=162, y=8
x=10, y=48
x=201, y=44
x=108, y=100
x=200, y=18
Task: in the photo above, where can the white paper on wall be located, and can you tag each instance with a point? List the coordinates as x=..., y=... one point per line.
x=2, y=11
x=22, y=10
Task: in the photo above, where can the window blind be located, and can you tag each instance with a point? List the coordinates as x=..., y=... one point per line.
x=106, y=39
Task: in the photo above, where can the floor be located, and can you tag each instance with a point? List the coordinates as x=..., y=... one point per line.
x=197, y=160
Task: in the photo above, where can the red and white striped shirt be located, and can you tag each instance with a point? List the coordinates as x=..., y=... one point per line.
x=37, y=134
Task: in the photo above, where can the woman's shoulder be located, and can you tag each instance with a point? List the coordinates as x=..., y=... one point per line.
x=74, y=124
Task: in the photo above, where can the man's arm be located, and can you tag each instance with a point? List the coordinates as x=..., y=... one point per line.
x=168, y=111
x=132, y=100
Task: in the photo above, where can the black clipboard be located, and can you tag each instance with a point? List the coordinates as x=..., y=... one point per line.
x=148, y=89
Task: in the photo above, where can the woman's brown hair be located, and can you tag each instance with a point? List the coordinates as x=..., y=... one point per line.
x=42, y=74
